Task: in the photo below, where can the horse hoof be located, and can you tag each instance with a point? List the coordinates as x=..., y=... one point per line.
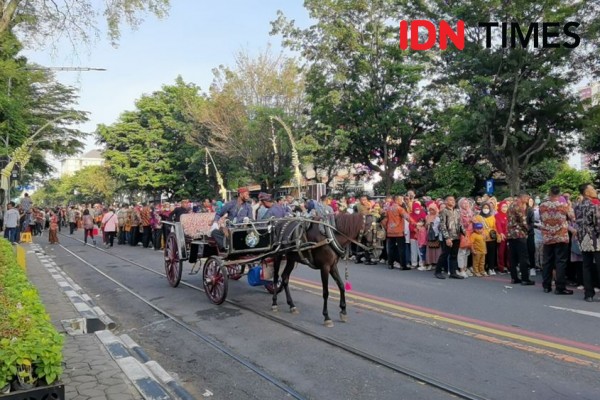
x=329, y=323
x=294, y=310
x=343, y=317
x=275, y=309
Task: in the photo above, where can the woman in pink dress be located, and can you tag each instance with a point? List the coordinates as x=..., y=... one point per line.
x=109, y=226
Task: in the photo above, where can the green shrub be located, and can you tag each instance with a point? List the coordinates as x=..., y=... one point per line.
x=30, y=347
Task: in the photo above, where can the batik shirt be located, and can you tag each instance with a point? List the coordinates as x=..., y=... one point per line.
x=450, y=226
x=145, y=216
x=587, y=218
x=517, y=222
x=555, y=217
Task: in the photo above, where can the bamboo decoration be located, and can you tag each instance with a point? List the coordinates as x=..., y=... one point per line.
x=274, y=141
x=22, y=154
x=222, y=189
x=206, y=163
x=295, y=157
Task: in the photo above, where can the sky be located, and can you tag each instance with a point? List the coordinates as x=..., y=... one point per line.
x=196, y=36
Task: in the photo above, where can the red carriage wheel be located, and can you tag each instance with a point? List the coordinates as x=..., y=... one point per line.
x=173, y=262
x=215, y=280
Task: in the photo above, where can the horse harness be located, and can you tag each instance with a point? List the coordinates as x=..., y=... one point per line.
x=295, y=235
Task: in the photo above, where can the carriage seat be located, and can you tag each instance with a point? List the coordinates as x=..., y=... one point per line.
x=197, y=225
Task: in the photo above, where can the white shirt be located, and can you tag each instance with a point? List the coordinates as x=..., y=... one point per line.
x=11, y=218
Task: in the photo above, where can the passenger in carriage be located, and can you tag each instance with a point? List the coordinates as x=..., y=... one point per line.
x=269, y=209
x=236, y=210
x=178, y=211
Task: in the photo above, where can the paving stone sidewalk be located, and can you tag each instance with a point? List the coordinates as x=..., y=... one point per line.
x=89, y=371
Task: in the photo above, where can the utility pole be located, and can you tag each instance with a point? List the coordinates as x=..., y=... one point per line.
x=21, y=154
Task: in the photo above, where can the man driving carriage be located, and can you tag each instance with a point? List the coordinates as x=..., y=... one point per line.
x=236, y=210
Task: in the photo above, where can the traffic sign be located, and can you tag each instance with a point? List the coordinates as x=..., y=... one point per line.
x=489, y=186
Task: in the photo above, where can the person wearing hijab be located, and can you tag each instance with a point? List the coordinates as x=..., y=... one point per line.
x=490, y=234
x=466, y=220
x=502, y=228
x=417, y=214
x=432, y=224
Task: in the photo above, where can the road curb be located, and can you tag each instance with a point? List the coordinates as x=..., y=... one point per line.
x=95, y=318
x=141, y=376
x=157, y=370
x=148, y=373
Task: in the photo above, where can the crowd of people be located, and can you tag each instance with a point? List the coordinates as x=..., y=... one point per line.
x=555, y=234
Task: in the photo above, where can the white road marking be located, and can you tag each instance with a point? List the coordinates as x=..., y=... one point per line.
x=583, y=312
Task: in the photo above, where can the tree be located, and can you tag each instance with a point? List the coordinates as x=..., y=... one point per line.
x=535, y=176
x=39, y=21
x=148, y=149
x=51, y=194
x=568, y=179
x=89, y=185
x=361, y=87
x=519, y=106
x=92, y=184
x=590, y=139
x=236, y=125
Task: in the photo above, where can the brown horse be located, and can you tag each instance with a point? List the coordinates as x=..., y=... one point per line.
x=323, y=258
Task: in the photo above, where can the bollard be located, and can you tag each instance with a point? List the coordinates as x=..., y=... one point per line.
x=21, y=260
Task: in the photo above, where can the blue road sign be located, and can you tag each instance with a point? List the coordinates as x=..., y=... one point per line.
x=489, y=186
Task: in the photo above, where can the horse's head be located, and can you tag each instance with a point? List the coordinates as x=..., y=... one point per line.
x=356, y=226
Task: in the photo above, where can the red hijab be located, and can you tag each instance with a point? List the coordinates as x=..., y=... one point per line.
x=501, y=219
x=417, y=213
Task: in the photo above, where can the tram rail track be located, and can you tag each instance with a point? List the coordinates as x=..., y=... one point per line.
x=408, y=372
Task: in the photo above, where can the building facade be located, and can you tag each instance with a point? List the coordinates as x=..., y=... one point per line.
x=69, y=166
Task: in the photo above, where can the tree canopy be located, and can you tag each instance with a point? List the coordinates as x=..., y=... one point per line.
x=149, y=148
x=361, y=87
x=235, y=121
x=39, y=22
x=519, y=103
x=89, y=185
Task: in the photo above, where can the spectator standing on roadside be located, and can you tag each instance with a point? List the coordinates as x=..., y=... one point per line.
x=393, y=222
x=554, y=218
x=11, y=220
x=587, y=215
x=450, y=229
x=517, y=240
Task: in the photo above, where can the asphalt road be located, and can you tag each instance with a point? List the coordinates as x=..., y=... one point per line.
x=482, y=335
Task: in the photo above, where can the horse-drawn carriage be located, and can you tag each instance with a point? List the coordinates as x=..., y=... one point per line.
x=266, y=244
x=246, y=244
